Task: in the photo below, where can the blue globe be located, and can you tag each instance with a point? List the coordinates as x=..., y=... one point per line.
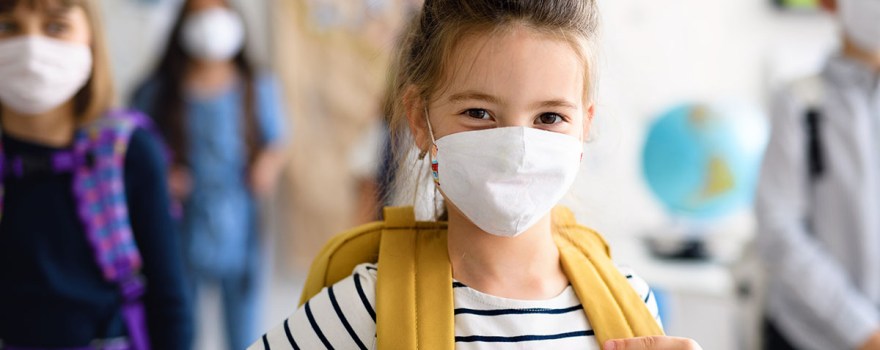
x=702, y=161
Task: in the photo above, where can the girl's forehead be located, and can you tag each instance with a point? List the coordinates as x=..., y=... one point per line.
x=47, y=6
x=517, y=63
x=195, y=5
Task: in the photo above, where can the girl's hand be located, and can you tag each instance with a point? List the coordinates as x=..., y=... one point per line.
x=265, y=172
x=180, y=182
x=652, y=343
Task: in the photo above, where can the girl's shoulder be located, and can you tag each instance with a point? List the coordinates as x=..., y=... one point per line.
x=634, y=279
x=643, y=289
x=341, y=316
x=145, y=160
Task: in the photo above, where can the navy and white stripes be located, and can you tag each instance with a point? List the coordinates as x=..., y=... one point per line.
x=521, y=338
x=496, y=312
x=343, y=317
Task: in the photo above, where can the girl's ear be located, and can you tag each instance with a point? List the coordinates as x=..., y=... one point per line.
x=588, y=120
x=414, y=106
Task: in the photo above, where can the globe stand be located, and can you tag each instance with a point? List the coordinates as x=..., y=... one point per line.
x=681, y=239
x=691, y=249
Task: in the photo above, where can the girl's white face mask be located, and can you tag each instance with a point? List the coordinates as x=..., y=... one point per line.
x=505, y=179
x=215, y=34
x=38, y=74
x=861, y=22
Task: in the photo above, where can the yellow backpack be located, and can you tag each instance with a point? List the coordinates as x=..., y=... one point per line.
x=414, y=306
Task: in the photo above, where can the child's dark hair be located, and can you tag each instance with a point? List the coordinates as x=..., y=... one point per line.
x=420, y=68
x=170, y=107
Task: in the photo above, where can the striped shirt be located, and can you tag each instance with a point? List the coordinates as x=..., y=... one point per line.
x=343, y=317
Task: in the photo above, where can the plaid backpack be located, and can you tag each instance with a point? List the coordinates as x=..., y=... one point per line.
x=97, y=159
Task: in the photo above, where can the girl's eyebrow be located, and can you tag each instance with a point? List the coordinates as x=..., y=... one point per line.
x=58, y=11
x=473, y=95
x=479, y=96
x=559, y=103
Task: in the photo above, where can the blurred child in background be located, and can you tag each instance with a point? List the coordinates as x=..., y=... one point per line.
x=89, y=255
x=818, y=203
x=223, y=120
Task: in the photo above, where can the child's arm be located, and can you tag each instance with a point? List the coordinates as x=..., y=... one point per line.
x=339, y=317
x=271, y=115
x=169, y=313
x=271, y=111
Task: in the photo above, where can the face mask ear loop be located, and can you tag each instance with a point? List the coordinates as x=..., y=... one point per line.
x=434, y=165
x=430, y=129
x=424, y=152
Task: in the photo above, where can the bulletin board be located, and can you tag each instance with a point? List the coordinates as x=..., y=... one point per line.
x=797, y=5
x=333, y=57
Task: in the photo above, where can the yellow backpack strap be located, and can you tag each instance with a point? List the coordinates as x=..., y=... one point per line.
x=414, y=306
x=339, y=257
x=613, y=307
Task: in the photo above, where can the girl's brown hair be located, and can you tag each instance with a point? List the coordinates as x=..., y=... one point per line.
x=97, y=96
x=427, y=45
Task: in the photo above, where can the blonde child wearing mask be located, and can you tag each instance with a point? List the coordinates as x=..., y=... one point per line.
x=497, y=96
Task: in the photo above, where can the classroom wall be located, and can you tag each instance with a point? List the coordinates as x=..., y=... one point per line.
x=655, y=54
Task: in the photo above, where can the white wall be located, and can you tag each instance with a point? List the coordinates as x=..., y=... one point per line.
x=655, y=54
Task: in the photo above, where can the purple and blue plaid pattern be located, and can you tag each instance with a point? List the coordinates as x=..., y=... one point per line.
x=99, y=189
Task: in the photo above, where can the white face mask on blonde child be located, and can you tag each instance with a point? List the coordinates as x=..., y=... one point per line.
x=505, y=179
x=40, y=73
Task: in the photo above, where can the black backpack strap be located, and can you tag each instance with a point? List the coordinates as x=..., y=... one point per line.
x=809, y=92
x=815, y=153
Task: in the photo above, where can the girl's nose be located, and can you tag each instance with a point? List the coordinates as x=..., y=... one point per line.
x=511, y=120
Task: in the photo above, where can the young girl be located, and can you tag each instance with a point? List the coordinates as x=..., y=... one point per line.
x=89, y=258
x=224, y=124
x=498, y=95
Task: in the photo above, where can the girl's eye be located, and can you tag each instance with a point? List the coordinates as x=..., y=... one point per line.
x=550, y=118
x=6, y=27
x=478, y=114
x=56, y=28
